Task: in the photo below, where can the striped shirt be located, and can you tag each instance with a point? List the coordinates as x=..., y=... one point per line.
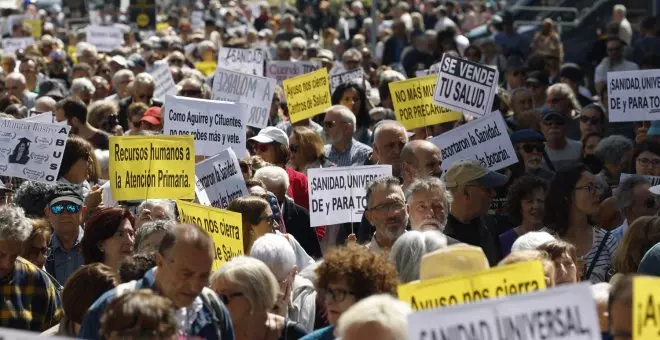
x=356, y=154
x=603, y=263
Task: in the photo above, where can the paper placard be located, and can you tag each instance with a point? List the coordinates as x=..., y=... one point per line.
x=563, y=313
x=338, y=195
x=46, y=117
x=414, y=106
x=654, y=180
x=225, y=228
x=465, y=86
x=164, y=82
x=197, y=19
x=485, y=140
x=215, y=125
x=105, y=38
x=249, y=61
x=31, y=150
x=35, y=24
x=352, y=76
x=646, y=302
x=254, y=91
x=143, y=167
x=517, y=278
x=633, y=95
x=219, y=180
x=307, y=95
x=281, y=70
x=11, y=45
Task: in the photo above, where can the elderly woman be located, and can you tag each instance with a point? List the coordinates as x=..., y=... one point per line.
x=525, y=209
x=409, y=248
x=348, y=275
x=563, y=254
x=379, y=316
x=154, y=210
x=35, y=248
x=642, y=234
x=615, y=152
x=108, y=237
x=306, y=149
x=150, y=234
x=249, y=290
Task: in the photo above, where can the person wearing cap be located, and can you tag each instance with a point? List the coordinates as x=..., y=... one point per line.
x=473, y=187
x=614, y=62
x=136, y=63
x=571, y=75
x=326, y=58
x=65, y=211
x=339, y=125
x=152, y=120
x=117, y=63
x=530, y=149
x=386, y=212
x=538, y=81
x=562, y=151
x=74, y=111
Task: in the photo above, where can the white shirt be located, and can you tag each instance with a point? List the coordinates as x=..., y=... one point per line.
x=625, y=31
x=600, y=76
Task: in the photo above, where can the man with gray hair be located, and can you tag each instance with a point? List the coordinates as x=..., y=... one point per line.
x=339, y=125
x=389, y=139
x=16, y=85
x=428, y=204
x=9, y=62
x=154, y=210
x=615, y=152
x=83, y=89
x=420, y=158
x=625, y=29
x=386, y=211
x=30, y=299
x=289, y=30
x=142, y=91
x=633, y=200
x=121, y=82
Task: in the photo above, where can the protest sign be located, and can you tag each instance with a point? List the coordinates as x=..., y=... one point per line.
x=197, y=19
x=248, y=61
x=414, y=106
x=654, y=180
x=215, y=125
x=11, y=45
x=338, y=195
x=46, y=117
x=422, y=73
x=506, y=280
x=633, y=95
x=225, y=228
x=646, y=311
x=307, y=95
x=35, y=25
x=465, y=86
x=219, y=180
x=164, y=82
x=143, y=167
x=562, y=313
x=31, y=150
x=254, y=91
x=15, y=334
x=352, y=76
x=143, y=14
x=485, y=140
x=282, y=70
x=105, y=38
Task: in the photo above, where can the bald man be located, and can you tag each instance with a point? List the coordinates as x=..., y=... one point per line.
x=420, y=158
x=44, y=104
x=389, y=139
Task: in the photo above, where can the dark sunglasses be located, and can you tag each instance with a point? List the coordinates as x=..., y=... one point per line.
x=555, y=121
x=590, y=120
x=328, y=124
x=294, y=148
x=59, y=208
x=190, y=92
x=261, y=147
x=529, y=148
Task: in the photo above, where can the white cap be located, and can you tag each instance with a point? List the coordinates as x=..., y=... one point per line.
x=271, y=134
x=119, y=60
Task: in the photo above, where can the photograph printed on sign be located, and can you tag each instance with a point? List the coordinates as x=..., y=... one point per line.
x=248, y=61
x=219, y=180
x=633, y=95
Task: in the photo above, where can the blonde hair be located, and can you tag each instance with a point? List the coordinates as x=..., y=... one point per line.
x=565, y=90
x=252, y=278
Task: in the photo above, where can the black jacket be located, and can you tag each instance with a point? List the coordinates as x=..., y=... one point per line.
x=481, y=232
x=296, y=221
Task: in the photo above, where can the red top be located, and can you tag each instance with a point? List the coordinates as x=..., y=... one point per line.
x=299, y=191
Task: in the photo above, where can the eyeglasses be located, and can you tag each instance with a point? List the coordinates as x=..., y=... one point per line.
x=294, y=148
x=592, y=188
x=226, y=298
x=328, y=124
x=529, y=148
x=590, y=120
x=190, y=92
x=391, y=206
x=272, y=219
x=646, y=162
x=337, y=295
x=555, y=121
x=59, y=208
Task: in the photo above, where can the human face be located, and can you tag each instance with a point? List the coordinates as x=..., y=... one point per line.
x=523, y=102
x=532, y=154
x=237, y=304
x=334, y=128
x=66, y=222
x=427, y=210
x=142, y=93
x=338, y=299
x=479, y=197
x=351, y=99
x=9, y=251
x=514, y=78
x=621, y=320
x=29, y=70
x=266, y=151
x=387, y=212
x=151, y=242
x=565, y=270
x=648, y=164
x=590, y=121
x=387, y=147
x=37, y=251
x=369, y=330
x=78, y=172
x=120, y=245
x=590, y=145
x=297, y=158
x=123, y=85
x=429, y=162
x=644, y=203
x=554, y=128
x=558, y=102
x=183, y=272
x=191, y=90
x=532, y=208
x=266, y=224
x=615, y=50
x=587, y=194
x=8, y=65
x=15, y=88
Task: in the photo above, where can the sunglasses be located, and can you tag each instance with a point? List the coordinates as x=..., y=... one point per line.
x=226, y=298
x=261, y=147
x=328, y=124
x=590, y=120
x=294, y=148
x=529, y=148
x=59, y=208
x=557, y=122
x=190, y=92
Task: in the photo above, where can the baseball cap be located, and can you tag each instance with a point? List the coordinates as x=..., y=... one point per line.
x=120, y=60
x=136, y=60
x=271, y=134
x=571, y=71
x=465, y=171
x=453, y=260
x=52, y=88
x=537, y=77
x=654, y=129
x=152, y=116
x=324, y=55
x=64, y=193
x=526, y=135
x=547, y=112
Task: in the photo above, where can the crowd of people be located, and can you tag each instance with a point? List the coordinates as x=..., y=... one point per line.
x=581, y=199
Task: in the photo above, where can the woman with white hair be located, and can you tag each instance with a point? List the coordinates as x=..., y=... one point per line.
x=376, y=317
x=249, y=290
x=409, y=248
x=155, y=209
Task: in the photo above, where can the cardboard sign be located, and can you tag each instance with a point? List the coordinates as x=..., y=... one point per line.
x=338, y=195
x=164, y=82
x=563, y=313
x=143, y=167
x=517, y=278
x=11, y=45
x=654, y=180
x=143, y=14
x=352, y=76
x=646, y=302
x=31, y=150
x=225, y=228
x=282, y=70
x=485, y=140
x=105, y=38
x=307, y=95
x=465, y=86
x=215, y=125
x=219, y=180
x=633, y=95
x=254, y=91
x=414, y=106
x=248, y=61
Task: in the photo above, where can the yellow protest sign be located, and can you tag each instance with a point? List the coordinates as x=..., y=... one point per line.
x=413, y=103
x=162, y=26
x=144, y=167
x=224, y=226
x=307, y=95
x=206, y=67
x=646, y=308
x=511, y=279
x=35, y=24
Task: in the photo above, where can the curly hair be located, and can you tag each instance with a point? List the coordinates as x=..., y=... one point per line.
x=33, y=198
x=559, y=198
x=642, y=234
x=520, y=190
x=366, y=273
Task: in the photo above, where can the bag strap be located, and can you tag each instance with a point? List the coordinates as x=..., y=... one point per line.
x=598, y=251
x=213, y=304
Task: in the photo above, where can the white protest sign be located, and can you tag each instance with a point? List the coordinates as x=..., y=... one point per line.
x=485, y=140
x=197, y=19
x=242, y=60
x=240, y=30
x=31, y=150
x=564, y=312
x=14, y=334
x=281, y=70
x=352, y=76
x=254, y=91
x=105, y=38
x=11, y=45
x=654, y=180
x=422, y=73
x=633, y=95
x=219, y=180
x=46, y=117
x=465, y=86
x=164, y=82
x=215, y=125
x=338, y=195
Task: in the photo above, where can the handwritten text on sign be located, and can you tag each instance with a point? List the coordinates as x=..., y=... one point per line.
x=219, y=180
x=281, y=70
x=338, y=195
x=633, y=95
x=164, y=82
x=242, y=60
x=414, y=106
x=254, y=91
x=307, y=95
x=465, y=86
x=484, y=140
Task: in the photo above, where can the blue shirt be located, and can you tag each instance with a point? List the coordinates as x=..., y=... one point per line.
x=355, y=154
x=62, y=263
x=325, y=333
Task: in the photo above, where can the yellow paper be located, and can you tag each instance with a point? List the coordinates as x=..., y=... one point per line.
x=224, y=226
x=144, y=167
x=206, y=67
x=307, y=95
x=646, y=308
x=36, y=27
x=162, y=26
x=499, y=281
x=413, y=103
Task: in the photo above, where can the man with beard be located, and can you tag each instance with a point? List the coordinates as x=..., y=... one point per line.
x=529, y=147
x=386, y=211
x=74, y=112
x=389, y=139
x=562, y=151
x=428, y=203
x=339, y=125
x=420, y=158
